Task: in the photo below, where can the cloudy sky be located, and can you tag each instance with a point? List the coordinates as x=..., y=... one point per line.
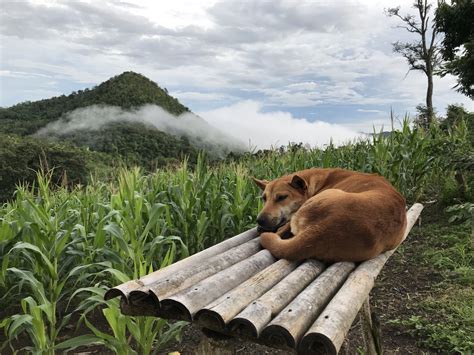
x=323, y=62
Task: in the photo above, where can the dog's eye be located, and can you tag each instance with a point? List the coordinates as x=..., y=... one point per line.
x=264, y=198
x=281, y=198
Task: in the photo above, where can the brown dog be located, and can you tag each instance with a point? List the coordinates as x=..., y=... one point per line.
x=334, y=215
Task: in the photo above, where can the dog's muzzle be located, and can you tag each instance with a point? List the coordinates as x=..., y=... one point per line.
x=265, y=228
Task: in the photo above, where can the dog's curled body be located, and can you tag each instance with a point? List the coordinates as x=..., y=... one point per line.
x=333, y=215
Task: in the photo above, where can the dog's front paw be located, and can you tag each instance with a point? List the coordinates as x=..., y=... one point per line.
x=271, y=242
x=267, y=239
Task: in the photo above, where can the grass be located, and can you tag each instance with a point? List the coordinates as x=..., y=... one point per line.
x=442, y=318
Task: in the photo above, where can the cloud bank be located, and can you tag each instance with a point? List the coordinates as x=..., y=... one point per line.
x=239, y=127
x=195, y=128
x=262, y=130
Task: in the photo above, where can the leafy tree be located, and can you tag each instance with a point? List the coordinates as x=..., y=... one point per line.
x=422, y=54
x=454, y=115
x=460, y=150
x=456, y=22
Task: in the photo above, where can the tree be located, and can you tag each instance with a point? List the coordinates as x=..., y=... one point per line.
x=456, y=22
x=422, y=54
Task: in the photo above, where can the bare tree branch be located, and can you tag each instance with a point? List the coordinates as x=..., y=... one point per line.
x=421, y=55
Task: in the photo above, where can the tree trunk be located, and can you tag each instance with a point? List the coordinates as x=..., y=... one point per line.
x=429, y=96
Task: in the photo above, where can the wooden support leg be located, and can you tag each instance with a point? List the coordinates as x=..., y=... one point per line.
x=370, y=330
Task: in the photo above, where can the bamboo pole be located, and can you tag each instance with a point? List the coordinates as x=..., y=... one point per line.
x=329, y=330
x=184, y=304
x=286, y=329
x=217, y=314
x=189, y=262
x=184, y=278
x=250, y=322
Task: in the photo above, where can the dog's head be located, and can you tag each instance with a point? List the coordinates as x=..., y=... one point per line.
x=282, y=198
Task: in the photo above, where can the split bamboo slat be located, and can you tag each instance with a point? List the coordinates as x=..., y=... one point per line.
x=237, y=288
x=182, y=279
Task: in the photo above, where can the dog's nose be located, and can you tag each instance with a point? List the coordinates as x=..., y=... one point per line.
x=262, y=221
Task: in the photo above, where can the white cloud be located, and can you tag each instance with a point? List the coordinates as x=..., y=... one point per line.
x=247, y=122
x=200, y=96
x=380, y=123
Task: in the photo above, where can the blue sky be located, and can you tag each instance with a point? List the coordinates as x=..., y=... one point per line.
x=328, y=61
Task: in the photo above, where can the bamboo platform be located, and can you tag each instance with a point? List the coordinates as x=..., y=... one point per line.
x=238, y=289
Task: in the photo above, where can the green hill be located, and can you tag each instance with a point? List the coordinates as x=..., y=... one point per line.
x=127, y=90
x=77, y=153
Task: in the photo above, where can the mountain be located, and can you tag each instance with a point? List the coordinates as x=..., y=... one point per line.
x=77, y=153
x=127, y=90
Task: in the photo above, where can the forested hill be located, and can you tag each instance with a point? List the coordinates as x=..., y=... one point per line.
x=127, y=90
x=78, y=153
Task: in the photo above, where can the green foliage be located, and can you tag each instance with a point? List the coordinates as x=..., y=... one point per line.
x=450, y=252
x=146, y=334
x=56, y=245
x=415, y=160
x=456, y=22
x=452, y=333
x=463, y=212
x=21, y=158
x=459, y=124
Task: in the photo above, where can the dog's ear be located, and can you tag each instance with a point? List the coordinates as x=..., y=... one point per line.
x=298, y=183
x=260, y=183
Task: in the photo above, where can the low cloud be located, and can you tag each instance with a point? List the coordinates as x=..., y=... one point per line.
x=247, y=122
x=237, y=127
x=190, y=125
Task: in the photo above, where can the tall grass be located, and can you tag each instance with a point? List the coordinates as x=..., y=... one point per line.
x=60, y=249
